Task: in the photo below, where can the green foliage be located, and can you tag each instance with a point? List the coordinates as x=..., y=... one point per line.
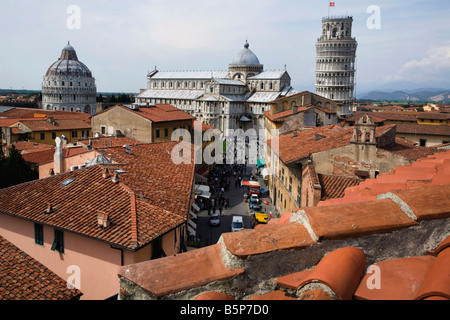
x=14, y=169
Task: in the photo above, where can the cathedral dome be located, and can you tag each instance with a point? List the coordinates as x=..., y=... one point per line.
x=69, y=65
x=245, y=57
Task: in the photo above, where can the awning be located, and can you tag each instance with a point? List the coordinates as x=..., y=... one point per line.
x=260, y=163
x=205, y=195
x=245, y=119
x=251, y=184
x=265, y=173
x=202, y=191
x=200, y=178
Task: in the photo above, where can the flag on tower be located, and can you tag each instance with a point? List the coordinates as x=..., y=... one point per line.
x=331, y=4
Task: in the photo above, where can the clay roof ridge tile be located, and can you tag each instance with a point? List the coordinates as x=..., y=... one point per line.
x=301, y=218
x=402, y=204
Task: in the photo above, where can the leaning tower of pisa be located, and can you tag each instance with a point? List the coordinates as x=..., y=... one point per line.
x=335, y=62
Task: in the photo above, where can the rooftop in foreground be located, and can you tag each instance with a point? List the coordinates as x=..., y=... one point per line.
x=326, y=252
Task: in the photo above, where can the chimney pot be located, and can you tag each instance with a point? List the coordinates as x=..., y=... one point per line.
x=103, y=219
x=105, y=173
x=115, y=178
x=49, y=208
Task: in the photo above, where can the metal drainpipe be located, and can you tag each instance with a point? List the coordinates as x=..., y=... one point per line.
x=121, y=254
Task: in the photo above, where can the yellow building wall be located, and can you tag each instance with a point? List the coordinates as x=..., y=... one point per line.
x=171, y=126
x=48, y=137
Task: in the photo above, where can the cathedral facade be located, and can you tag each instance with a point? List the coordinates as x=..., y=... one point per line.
x=69, y=85
x=232, y=99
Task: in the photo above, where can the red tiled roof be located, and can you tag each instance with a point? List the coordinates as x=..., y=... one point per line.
x=30, y=147
x=292, y=95
x=293, y=148
x=60, y=124
x=278, y=117
x=428, y=171
x=334, y=186
x=46, y=156
x=40, y=113
x=108, y=142
x=340, y=270
x=24, y=278
x=203, y=267
x=151, y=199
x=412, y=128
x=159, y=113
x=296, y=147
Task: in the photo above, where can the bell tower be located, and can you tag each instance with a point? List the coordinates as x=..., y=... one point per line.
x=335, y=62
x=364, y=131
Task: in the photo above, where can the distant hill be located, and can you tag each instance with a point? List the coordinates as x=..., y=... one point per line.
x=418, y=95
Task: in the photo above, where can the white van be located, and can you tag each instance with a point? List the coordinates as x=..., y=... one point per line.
x=237, y=224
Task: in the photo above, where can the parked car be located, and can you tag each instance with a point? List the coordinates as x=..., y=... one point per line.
x=254, y=206
x=254, y=198
x=214, y=220
x=237, y=224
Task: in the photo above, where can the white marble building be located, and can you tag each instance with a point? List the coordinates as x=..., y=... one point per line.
x=68, y=85
x=231, y=99
x=336, y=62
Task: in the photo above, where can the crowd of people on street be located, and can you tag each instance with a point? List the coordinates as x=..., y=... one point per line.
x=220, y=181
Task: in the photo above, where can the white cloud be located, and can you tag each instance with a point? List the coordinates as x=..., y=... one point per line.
x=436, y=62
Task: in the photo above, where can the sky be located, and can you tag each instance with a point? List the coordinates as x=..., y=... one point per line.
x=402, y=44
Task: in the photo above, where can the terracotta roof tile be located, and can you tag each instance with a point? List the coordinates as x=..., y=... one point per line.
x=443, y=245
x=40, y=113
x=357, y=219
x=60, y=124
x=159, y=113
x=24, y=278
x=145, y=194
x=47, y=155
x=164, y=276
x=418, y=201
x=293, y=147
x=412, y=128
x=437, y=281
x=427, y=171
x=108, y=142
x=279, y=116
x=272, y=237
x=341, y=270
x=334, y=187
x=400, y=279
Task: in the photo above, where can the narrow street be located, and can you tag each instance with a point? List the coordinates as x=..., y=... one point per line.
x=237, y=207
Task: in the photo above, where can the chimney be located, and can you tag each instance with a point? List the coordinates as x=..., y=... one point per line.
x=49, y=208
x=103, y=219
x=105, y=173
x=115, y=178
x=58, y=158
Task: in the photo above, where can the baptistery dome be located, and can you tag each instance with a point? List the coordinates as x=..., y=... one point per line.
x=68, y=85
x=68, y=64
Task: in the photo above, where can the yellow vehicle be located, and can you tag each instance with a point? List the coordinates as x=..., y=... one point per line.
x=261, y=217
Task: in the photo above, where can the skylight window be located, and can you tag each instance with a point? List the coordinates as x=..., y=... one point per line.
x=119, y=171
x=67, y=182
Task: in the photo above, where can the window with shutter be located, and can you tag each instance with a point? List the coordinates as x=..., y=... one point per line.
x=58, y=242
x=38, y=234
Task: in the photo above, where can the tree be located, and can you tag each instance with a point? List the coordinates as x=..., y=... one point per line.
x=14, y=169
